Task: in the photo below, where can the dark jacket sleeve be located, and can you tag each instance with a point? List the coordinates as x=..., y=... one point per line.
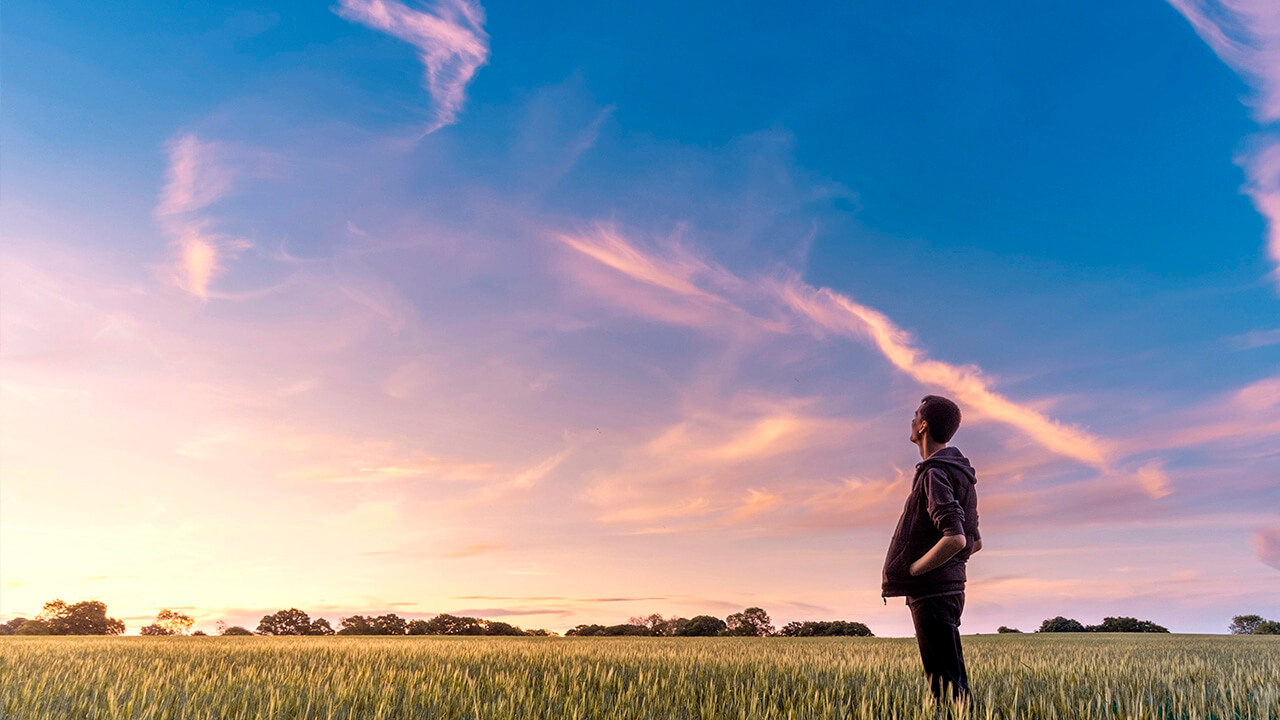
x=944, y=509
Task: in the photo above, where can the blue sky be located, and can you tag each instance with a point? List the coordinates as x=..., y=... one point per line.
x=633, y=270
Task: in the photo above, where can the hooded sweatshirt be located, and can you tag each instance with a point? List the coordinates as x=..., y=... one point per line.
x=943, y=501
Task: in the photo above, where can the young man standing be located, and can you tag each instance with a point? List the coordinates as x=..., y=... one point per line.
x=936, y=535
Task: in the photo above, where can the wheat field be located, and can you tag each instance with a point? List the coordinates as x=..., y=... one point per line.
x=1031, y=676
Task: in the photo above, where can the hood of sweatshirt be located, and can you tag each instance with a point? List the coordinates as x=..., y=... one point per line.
x=954, y=458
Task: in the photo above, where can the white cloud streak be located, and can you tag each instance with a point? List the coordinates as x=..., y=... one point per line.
x=196, y=179
x=821, y=310
x=450, y=39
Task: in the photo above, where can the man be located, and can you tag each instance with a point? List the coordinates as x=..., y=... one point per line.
x=936, y=534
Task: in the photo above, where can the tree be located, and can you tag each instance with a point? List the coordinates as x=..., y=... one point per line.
x=1266, y=627
x=199, y=633
x=33, y=627
x=11, y=627
x=389, y=624
x=675, y=626
x=320, y=626
x=1125, y=624
x=235, y=630
x=497, y=627
x=175, y=622
x=752, y=622
x=702, y=626
x=1002, y=629
x=285, y=622
x=825, y=628
x=1244, y=624
x=626, y=629
x=445, y=624
x=155, y=629
x=655, y=623
x=1061, y=624
x=585, y=630
x=83, y=618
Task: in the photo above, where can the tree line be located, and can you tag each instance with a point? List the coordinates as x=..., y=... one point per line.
x=1110, y=624
x=751, y=622
x=89, y=617
x=1240, y=625
x=296, y=622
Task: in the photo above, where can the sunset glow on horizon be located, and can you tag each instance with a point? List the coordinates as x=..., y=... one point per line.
x=567, y=317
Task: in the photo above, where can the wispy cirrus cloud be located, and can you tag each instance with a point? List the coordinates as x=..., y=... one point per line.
x=200, y=173
x=835, y=312
x=450, y=39
x=709, y=294
x=1245, y=34
x=196, y=178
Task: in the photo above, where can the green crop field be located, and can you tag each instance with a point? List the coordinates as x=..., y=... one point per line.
x=1013, y=676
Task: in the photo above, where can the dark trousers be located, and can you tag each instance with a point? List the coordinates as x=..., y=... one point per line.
x=937, y=621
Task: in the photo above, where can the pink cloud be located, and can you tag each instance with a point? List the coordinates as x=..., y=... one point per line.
x=1266, y=544
x=1245, y=34
x=197, y=177
x=1263, y=170
x=834, y=312
x=450, y=39
x=711, y=296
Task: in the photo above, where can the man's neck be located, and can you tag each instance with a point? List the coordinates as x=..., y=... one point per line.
x=928, y=449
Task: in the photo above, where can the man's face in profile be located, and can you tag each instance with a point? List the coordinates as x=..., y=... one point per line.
x=917, y=425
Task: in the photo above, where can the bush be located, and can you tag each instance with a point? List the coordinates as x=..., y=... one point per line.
x=1003, y=629
x=236, y=630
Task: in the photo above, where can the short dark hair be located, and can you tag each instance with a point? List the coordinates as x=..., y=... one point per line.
x=942, y=415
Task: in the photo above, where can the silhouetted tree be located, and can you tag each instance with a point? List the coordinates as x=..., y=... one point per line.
x=497, y=627
x=1002, y=629
x=155, y=629
x=320, y=626
x=285, y=622
x=1061, y=624
x=235, y=630
x=199, y=633
x=83, y=618
x=11, y=627
x=654, y=623
x=752, y=622
x=1266, y=627
x=1125, y=624
x=626, y=629
x=825, y=628
x=702, y=626
x=33, y=627
x=675, y=626
x=445, y=624
x=585, y=630
x=1244, y=624
x=389, y=624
